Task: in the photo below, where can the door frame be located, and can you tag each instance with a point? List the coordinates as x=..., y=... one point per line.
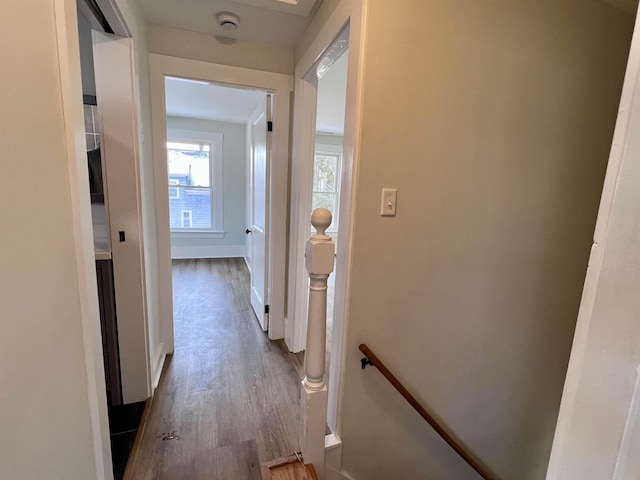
x=349, y=15
x=66, y=25
x=602, y=308
x=281, y=86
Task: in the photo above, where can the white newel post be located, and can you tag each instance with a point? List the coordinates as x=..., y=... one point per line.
x=319, y=257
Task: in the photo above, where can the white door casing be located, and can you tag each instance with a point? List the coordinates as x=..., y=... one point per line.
x=259, y=207
x=280, y=86
x=598, y=430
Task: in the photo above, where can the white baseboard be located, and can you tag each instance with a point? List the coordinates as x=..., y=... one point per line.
x=333, y=459
x=207, y=251
x=333, y=451
x=158, y=365
x=331, y=473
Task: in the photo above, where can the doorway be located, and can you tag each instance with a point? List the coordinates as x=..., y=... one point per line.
x=217, y=155
x=280, y=87
x=327, y=159
x=323, y=179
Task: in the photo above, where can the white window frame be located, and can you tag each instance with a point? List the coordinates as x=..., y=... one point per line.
x=215, y=140
x=331, y=151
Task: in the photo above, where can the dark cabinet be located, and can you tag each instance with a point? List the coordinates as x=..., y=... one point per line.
x=109, y=327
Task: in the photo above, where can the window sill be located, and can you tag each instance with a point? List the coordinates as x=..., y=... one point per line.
x=197, y=234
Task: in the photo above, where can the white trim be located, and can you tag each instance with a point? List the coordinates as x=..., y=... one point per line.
x=216, y=161
x=623, y=136
x=333, y=451
x=282, y=85
x=328, y=148
x=333, y=474
x=114, y=16
x=71, y=90
x=352, y=12
x=158, y=365
x=201, y=234
x=208, y=251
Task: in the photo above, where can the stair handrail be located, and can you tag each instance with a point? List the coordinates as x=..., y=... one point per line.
x=372, y=359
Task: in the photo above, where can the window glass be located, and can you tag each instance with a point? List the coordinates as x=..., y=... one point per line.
x=190, y=193
x=325, y=184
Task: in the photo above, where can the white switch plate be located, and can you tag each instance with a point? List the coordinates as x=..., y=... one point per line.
x=389, y=200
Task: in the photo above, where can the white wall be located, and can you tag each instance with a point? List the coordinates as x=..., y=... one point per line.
x=46, y=305
x=234, y=188
x=497, y=137
x=176, y=42
x=324, y=139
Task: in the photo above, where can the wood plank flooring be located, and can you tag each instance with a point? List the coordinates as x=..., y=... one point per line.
x=229, y=397
x=290, y=468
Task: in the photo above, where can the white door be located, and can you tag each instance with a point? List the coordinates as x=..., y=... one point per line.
x=119, y=142
x=258, y=231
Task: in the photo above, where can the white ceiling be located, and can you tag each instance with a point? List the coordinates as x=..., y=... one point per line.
x=297, y=7
x=332, y=94
x=195, y=99
x=186, y=98
x=272, y=22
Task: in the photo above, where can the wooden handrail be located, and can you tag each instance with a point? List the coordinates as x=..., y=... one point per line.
x=372, y=359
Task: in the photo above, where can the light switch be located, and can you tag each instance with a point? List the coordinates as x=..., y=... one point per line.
x=389, y=199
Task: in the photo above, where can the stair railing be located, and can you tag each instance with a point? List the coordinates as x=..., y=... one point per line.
x=373, y=360
x=319, y=259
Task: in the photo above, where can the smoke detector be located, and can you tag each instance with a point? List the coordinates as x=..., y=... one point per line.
x=228, y=20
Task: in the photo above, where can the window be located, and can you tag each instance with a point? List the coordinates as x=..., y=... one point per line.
x=185, y=216
x=174, y=192
x=194, y=166
x=326, y=183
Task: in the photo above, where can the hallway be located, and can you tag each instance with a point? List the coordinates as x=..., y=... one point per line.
x=228, y=397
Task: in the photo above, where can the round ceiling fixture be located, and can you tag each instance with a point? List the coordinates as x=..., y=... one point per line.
x=228, y=20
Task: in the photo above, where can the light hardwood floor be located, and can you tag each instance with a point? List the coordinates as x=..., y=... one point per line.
x=228, y=400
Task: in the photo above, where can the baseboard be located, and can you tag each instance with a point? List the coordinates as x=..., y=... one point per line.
x=208, y=251
x=158, y=365
x=333, y=451
x=331, y=473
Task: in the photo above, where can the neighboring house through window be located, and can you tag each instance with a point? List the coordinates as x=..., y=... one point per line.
x=326, y=181
x=194, y=165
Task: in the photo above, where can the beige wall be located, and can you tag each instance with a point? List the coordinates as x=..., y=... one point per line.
x=207, y=48
x=497, y=135
x=44, y=397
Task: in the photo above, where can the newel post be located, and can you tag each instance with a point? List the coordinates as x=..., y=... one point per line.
x=319, y=258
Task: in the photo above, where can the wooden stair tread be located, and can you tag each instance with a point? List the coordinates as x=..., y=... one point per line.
x=290, y=468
